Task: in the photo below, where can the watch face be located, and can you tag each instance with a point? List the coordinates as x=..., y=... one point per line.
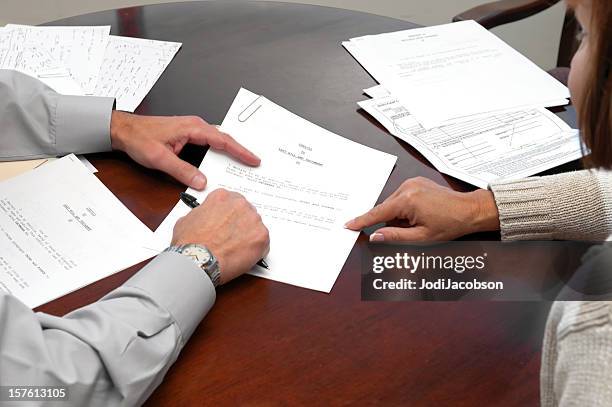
x=199, y=254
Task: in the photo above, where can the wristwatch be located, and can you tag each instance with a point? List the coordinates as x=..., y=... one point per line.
x=202, y=257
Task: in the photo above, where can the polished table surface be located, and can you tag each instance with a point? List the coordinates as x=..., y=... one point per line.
x=266, y=343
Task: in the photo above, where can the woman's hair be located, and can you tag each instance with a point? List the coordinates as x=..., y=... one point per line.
x=595, y=106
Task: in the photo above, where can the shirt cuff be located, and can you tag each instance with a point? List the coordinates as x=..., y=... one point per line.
x=177, y=284
x=570, y=206
x=525, y=209
x=82, y=124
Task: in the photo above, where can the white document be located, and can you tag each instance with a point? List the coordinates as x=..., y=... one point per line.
x=79, y=49
x=61, y=229
x=131, y=67
x=506, y=145
x=87, y=164
x=447, y=72
x=309, y=184
x=10, y=169
x=32, y=59
x=377, y=91
x=87, y=60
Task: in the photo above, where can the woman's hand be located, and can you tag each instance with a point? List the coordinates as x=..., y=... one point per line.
x=156, y=141
x=421, y=210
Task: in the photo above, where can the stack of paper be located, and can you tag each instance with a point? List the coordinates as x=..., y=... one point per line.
x=10, y=169
x=87, y=60
x=304, y=189
x=505, y=145
x=471, y=104
x=58, y=224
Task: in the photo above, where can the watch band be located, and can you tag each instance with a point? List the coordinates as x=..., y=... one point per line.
x=202, y=257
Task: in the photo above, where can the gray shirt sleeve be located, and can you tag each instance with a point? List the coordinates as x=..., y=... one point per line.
x=36, y=121
x=113, y=352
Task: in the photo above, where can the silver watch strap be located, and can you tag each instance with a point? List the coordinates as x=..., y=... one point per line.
x=210, y=267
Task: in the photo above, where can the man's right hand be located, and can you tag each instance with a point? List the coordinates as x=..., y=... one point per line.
x=230, y=227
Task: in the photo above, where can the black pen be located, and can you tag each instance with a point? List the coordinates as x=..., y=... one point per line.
x=192, y=202
x=189, y=200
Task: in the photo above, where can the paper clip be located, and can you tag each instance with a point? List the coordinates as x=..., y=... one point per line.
x=246, y=109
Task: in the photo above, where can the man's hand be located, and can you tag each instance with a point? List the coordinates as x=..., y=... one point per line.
x=230, y=227
x=155, y=142
x=426, y=211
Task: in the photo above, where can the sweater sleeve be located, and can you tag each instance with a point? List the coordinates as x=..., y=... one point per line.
x=570, y=206
x=577, y=355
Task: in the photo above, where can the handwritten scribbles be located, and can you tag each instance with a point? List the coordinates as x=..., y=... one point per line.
x=131, y=68
x=80, y=49
x=87, y=60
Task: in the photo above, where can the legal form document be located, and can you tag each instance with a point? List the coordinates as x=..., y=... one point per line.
x=447, y=72
x=131, y=67
x=506, y=145
x=309, y=184
x=61, y=229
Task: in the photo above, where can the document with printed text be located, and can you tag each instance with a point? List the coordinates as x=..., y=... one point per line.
x=61, y=229
x=309, y=184
x=506, y=145
x=447, y=72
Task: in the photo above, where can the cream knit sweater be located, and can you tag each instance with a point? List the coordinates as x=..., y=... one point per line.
x=577, y=351
x=569, y=206
x=577, y=355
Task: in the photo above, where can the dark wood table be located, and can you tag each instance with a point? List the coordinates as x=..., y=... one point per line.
x=267, y=343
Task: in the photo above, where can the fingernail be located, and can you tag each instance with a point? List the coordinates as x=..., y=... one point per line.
x=377, y=237
x=347, y=225
x=198, y=182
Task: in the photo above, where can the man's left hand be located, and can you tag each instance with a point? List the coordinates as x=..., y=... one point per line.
x=156, y=141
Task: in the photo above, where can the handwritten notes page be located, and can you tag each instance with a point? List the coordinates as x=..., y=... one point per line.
x=61, y=229
x=80, y=49
x=309, y=184
x=87, y=60
x=131, y=68
x=506, y=145
x=33, y=60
